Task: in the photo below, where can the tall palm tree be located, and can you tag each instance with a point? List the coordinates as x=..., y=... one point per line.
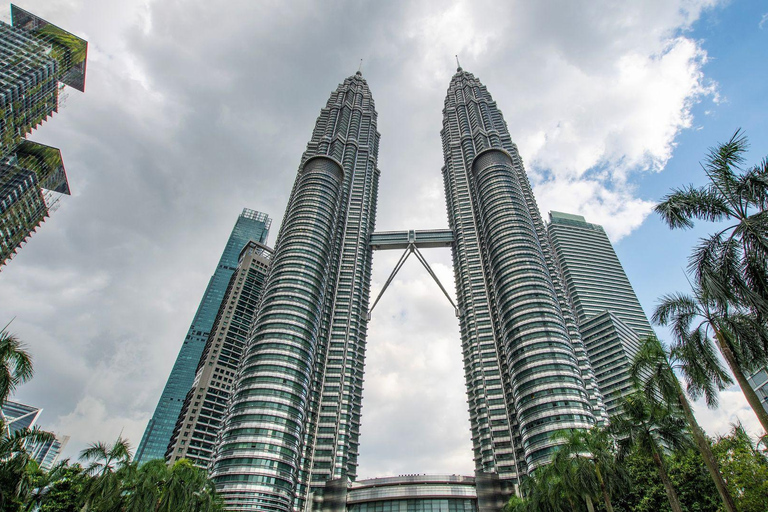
x=590, y=452
x=652, y=370
x=700, y=322
x=732, y=263
x=106, y=464
x=15, y=364
x=647, y=425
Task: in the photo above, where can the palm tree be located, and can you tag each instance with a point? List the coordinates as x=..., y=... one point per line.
x=590, y=452
x=732, y=263
x=15, y=479
x=188, y=488
x=15, y=364
x=647, y=425
x=652, y=370
x=107, y=465
x=700, y=322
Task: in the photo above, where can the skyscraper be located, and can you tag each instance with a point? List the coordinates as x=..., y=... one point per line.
x=610, y=317
x=38, y=59
x=206, y=403
x=250, y=225
x=526, y=370
x=294, y=418
x=290, y=439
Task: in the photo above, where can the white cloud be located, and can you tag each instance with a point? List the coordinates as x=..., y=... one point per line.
x=195, y=110
x=733, y=409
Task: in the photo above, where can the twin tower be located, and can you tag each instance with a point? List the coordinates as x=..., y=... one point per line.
x=293, y=423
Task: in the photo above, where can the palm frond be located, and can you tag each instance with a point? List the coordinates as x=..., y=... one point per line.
x=679, y=208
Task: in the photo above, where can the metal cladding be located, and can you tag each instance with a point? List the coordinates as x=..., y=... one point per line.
x=527, y=374
x=295, y=411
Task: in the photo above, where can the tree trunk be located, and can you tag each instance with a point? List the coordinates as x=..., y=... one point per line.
x=590, y=506
x=706, y=452
x=749, y=393
x=674, y=501
x=604, y=489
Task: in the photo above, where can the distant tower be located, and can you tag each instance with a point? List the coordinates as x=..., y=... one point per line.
x=611, y=320
x=250, y=225
x=294, y=418
x=38, y=59
x=205, y=406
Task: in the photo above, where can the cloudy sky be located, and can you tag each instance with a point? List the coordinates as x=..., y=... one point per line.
x=195, y=109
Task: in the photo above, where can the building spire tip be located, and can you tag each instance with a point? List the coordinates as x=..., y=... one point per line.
x=458, y=66
x=359, y=68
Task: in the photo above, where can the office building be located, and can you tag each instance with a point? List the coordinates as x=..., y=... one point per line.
x=611, y=320
x=250, y=226
x=46, y=453
x=527, y=372
x=291, y=436
x=38, y=60
x=17, y=416
x=205, y=406
x=294, y=418
x=759, y=382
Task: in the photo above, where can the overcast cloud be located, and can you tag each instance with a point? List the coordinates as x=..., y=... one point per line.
x=196, y=109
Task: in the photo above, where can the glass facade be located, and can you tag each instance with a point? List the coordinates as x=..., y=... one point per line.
x=417, y=505
x=759, y=382
x=293, y=421
x=205, y=405
x=250, y=225
x=37, y=60
x=527, y=373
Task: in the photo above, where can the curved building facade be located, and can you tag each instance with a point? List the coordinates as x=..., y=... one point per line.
x=527, y=373
x=294, y=417
x=291, y=436
x=408, y=493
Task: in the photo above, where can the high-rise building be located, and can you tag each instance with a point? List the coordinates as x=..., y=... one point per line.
x=610, y=318
x=759, y=382
x=290, y=439
x=18, y=416
x=526, y=369
x=46, y=453
x=38, y=60
x=294, y=417
x=205, y=406
x=250, y=226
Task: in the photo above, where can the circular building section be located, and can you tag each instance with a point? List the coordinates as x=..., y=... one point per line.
x=406, y=493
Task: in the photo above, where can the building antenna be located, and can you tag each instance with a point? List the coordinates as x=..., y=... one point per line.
x=360, y=67
x=457, y=62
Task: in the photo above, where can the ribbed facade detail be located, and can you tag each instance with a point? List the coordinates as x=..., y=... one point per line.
x=294, y=418
x=611, y=321
x=205, y=406
x=526, y=370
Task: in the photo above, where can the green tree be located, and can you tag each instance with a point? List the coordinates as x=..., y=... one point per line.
x=15, y=475
x=698, y=363
x=745, y=469
x=592, y=457
x=107, y=465
x=15, y=364
x=62, y=489
x=647, y=425
x=699, y=322
x=731, y=264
